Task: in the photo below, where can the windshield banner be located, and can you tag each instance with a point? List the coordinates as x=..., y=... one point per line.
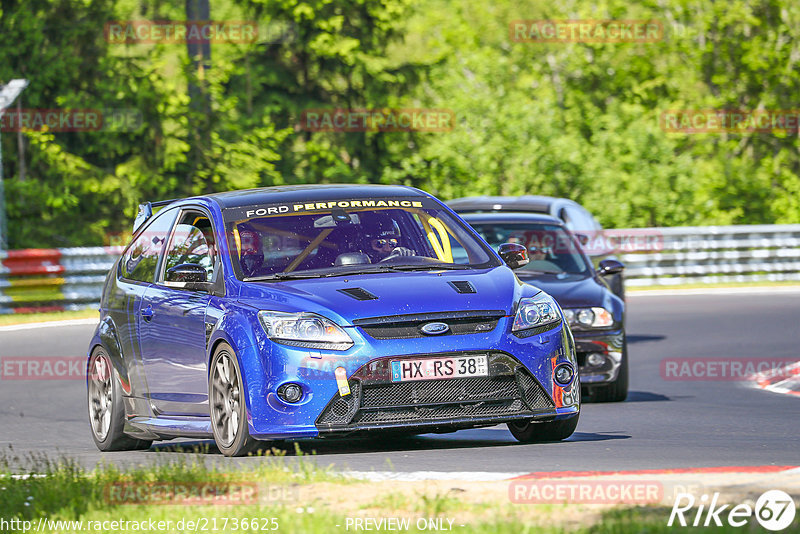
x=323, y=206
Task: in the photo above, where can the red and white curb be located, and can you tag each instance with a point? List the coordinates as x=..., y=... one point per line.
x=486, y=476
x=745, y=469
x=416, y=476
x=665, y=487
x=785, y=380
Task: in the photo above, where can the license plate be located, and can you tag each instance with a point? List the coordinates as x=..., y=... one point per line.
x=437, y=368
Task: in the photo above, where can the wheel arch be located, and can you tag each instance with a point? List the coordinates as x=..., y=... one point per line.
x=235, y=329
x=107, y=338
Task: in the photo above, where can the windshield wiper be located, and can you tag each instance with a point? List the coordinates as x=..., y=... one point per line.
x=307, y=274
x=286, y=276
x=367, y=269
x=430, y=267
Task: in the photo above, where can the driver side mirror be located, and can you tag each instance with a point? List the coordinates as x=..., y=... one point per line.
x=609, y=266
x=514, y=254
x=188, y=276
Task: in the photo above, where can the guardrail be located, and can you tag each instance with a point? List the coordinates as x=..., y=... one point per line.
x=34, y=280
x=713, y=254
x=72, y=278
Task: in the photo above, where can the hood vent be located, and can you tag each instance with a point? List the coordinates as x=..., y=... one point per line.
x=358, y=293
x=462, y=286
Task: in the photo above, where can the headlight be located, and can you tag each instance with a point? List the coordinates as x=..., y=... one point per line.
x=589, y=317
x=305, y=330
x=536, y=311
x=586, y=317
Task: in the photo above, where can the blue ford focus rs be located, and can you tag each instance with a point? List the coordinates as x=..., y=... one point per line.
x=322, y=311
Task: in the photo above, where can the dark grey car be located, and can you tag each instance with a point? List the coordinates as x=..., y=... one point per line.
x=575, y=217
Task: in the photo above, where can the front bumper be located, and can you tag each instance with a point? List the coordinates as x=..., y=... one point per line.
x=509, y=393
x=520, y=385
x=609, y=345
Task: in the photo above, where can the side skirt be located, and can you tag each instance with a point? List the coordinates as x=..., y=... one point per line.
x=162, y=428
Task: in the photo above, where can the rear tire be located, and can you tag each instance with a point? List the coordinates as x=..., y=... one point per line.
x=106, y=411
x=226, y=397
x=530, y=432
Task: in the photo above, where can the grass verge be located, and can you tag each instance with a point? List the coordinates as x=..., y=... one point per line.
x=292, y=496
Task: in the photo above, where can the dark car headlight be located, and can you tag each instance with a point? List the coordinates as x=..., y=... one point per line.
x=304, y=329
x=539, y=310
x=589, y=317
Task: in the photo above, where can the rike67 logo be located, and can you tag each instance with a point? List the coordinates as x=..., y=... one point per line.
x=774, y=510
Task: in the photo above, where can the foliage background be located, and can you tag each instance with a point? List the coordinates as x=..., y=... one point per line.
x=567, y=119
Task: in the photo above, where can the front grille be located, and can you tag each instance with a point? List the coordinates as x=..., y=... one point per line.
x=341, y=410
x=533, y=393
x=440, y=413
x=435, y=391
x=509, y=391
x=409, y=326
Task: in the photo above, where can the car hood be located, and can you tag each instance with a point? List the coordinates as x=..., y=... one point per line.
x=571, y=291
x=397, y=293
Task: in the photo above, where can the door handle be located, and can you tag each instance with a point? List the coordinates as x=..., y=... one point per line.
x=147, y=313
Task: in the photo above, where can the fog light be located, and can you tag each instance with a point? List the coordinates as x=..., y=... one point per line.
x=595, y=359
x=290, y=393
x=563, y=374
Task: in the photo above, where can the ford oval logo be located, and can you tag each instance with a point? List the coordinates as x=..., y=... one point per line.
x=434, y=329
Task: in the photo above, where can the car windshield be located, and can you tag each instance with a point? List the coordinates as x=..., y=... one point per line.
x=339, y=237
x=551, y=248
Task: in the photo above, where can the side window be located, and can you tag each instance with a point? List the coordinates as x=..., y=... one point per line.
x=140, y=260
x=192, y=242
x=565, y=216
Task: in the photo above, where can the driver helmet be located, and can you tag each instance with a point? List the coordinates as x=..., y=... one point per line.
x=382, y=234
x=252, y=255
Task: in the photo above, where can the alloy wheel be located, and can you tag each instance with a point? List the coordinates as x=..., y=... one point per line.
x=226, y=399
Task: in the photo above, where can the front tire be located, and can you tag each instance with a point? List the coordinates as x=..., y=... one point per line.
x=106, y=412
x=227, y=402
x=531, y=432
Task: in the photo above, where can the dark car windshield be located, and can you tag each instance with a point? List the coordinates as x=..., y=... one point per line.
x=333, y=238
x=551, y=248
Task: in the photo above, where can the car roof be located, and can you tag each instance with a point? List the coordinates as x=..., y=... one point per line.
x=534, y=203
x=310, y=193
x=511, y=217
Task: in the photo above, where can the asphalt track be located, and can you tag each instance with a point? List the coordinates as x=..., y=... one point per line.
x=663, y=424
